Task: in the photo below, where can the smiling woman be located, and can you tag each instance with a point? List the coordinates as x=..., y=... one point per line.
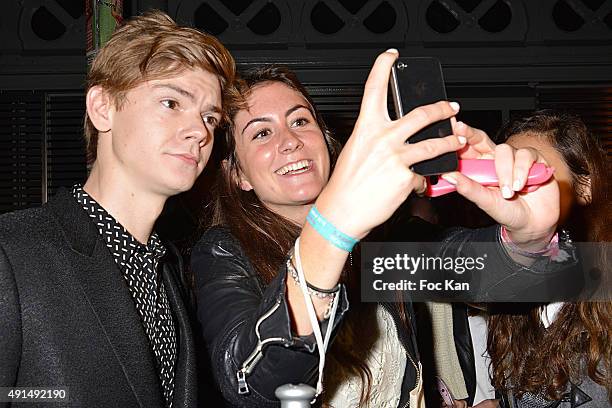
x=278, y=165
x=283, y=153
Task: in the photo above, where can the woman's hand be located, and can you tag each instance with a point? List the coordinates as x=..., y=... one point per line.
x=371, y=179
x=372, y=176
x=530, y=217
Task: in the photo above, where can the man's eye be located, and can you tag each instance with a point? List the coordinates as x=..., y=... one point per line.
x=211, y=121
x=169, y=103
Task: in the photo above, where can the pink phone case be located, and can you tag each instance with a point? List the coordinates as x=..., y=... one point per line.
x=483, y=172
x=445, y=393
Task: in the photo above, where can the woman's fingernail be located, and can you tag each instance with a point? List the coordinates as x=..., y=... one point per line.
x=460, y=124
x=449, y=178
x=506, y=192
x=393, y=50
x=462, y=139
x=454, y=105
x=517, y=185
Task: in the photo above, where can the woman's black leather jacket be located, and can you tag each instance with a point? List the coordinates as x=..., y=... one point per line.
x=241, y=319
x=246, y=325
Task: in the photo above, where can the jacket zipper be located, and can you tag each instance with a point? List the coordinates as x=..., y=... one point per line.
x=256, y=355
x=416, y=367
x=387, y=307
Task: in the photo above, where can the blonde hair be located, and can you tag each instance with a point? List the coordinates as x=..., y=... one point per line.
x=153, y=46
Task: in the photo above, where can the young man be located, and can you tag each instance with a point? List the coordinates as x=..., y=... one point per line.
x=90, y=300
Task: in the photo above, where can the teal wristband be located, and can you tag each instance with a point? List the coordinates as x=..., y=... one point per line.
x=328, y=231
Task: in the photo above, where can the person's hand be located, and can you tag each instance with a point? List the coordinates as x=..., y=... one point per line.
x=372, y=176
x=530, y=217
x=371, y=179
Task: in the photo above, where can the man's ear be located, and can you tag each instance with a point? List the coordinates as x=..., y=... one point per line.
x=99, y=104
x=584, y=194
x=239, y=179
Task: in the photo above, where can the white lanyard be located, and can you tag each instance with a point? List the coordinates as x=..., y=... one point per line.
x=314, y=321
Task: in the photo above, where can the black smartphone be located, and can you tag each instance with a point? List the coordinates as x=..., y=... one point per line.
x=418, y=81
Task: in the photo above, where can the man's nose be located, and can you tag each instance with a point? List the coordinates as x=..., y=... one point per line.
x=198, y=131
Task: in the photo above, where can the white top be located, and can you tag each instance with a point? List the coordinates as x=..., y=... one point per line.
x=482, y=361
x=386, y=359
x=549, y=313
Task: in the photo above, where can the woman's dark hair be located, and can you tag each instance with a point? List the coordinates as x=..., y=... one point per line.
x=267, y=237
x=526, y=357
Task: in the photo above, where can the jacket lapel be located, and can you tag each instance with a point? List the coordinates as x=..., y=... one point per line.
x=185, y=376
x=108, y=295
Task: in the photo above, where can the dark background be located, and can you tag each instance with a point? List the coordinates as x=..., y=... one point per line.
x=500, y=58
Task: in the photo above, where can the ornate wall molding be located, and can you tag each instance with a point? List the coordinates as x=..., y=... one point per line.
x=363, y=23
x=517, y=41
